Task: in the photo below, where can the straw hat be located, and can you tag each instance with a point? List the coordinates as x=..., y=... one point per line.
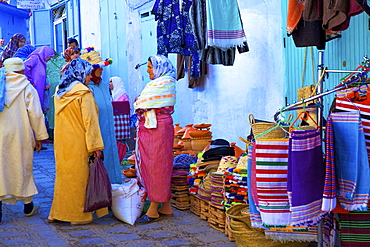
x=89, y=54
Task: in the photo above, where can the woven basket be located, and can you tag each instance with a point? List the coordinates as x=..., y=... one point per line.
x=258, y=128
x=235, y=213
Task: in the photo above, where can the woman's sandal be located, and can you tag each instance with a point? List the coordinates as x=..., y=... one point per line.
x=80, y=223
x=165, y=215
x=51, y=219
x=145, y=219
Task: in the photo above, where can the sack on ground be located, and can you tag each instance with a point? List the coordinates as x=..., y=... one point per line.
x=128, y=200
x=99, y=190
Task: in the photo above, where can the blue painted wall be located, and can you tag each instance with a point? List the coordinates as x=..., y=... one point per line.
x=13, y=21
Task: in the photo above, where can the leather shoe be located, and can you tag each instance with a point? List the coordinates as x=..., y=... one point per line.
x=145, y=219
x=80, y=223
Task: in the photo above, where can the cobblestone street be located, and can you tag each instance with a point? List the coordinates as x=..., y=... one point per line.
x=184, y=229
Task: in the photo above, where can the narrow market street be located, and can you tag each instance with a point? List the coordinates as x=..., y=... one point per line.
x=184, y=229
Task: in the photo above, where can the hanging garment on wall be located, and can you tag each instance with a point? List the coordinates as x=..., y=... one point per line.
x=198, y=17
x=351, y=162
x=271, y=182
x=306, y=174
x=295, y=11
x=224, y=26
x=312, y=10
x=354, y=9
x=334, y=13
x=354, y=229
x=184, y=63
x=175, y=32
x=309, y=33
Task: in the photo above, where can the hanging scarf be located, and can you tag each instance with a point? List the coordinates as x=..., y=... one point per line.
x=306, y=173
x=295, y=12
x=12, y=46
x=224, y=27
x=351, y=162
x=24, y=51
x=75, y=73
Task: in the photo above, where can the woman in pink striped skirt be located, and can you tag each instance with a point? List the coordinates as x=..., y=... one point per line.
x=155, y=134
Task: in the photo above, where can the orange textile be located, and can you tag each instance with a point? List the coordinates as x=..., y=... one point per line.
x=295, y=11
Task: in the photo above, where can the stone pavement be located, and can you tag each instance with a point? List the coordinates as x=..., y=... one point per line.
x=184, y=229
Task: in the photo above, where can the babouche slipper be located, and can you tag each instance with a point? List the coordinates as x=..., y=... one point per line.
x=34, y=209
x=145, y=219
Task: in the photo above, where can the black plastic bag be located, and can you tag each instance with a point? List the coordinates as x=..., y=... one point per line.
x=99, y=189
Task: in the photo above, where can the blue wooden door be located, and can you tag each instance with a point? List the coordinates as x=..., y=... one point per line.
x=73, y=19
x=42, y=28
x=113, y=38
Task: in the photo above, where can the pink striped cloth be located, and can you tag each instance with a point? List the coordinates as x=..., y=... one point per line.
x=154, y=157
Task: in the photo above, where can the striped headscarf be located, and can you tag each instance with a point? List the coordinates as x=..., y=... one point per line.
x=75, y=73
x=12, y=46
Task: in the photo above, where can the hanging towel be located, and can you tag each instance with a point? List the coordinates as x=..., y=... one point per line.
x=351, y=162
x=271, y=178
x=329, y=200
x=306, y=174
x=224, y=26
x=255, y=215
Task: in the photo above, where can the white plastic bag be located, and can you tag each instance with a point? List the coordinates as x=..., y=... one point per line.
x=128, y=201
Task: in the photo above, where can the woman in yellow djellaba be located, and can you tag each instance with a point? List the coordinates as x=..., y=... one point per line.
x=76, y=136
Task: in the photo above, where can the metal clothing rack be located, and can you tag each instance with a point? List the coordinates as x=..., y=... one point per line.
x=360, y=75
x=320, y=94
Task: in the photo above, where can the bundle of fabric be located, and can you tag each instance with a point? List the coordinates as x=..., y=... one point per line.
x=217, y=185
x=306, y=174
x=235, y=187
x=204, y=190
x=350, y=163
x=354, y=229
x=195, y=178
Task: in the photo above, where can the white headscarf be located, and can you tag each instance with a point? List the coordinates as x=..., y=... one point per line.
x=118, y=88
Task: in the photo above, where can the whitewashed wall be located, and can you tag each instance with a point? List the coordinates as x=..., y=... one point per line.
x=90, y=24
x=230, y=93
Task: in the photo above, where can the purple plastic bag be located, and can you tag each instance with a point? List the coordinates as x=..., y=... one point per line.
x=99, y=189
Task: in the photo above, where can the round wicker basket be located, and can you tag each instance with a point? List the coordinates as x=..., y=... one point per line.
x=258, y=128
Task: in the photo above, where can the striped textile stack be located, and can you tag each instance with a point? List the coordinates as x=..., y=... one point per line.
x=217, y=185
x=355, y=229
x=235, y=187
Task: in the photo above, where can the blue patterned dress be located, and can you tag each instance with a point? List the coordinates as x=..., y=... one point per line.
x=175, y=32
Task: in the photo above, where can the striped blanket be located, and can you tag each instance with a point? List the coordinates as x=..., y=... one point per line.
x=271, y=182
x=306, y=173
x=351, y=162
x=355, y=229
